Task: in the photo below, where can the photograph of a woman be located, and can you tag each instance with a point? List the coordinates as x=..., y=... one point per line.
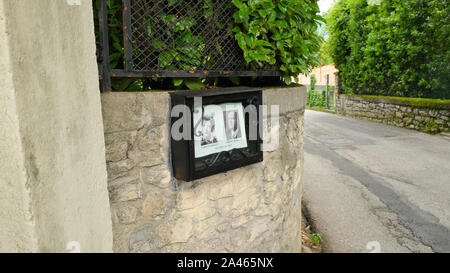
x=232, y=126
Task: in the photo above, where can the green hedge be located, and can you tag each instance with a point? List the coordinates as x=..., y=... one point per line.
x=316, y=99
x=396, y=48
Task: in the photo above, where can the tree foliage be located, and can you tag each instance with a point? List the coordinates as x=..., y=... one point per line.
x=393, y=48
x=325, y=54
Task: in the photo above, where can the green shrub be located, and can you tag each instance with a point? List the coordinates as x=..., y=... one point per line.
x=313, y=82
x=282, y=32
x=397, y=48
x=316, y=98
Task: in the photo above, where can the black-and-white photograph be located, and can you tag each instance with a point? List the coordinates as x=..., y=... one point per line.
x=219, y=128
x=208, y=132
x=232, y=125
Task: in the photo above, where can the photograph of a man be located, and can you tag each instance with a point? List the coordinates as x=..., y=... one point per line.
x=208, y=133
x=232, y=125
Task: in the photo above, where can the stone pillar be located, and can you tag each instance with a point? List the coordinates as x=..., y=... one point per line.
x=52, y=173
x=337, y=82
x=336, y=93
x=255, y=208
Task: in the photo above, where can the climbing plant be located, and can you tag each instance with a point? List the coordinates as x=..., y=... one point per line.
x=278, y=33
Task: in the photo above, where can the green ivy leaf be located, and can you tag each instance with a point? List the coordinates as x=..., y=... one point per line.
x=235, y=80
x=177, y=82
x=194, y=83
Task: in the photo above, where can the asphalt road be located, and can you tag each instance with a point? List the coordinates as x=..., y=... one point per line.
x=370, y=187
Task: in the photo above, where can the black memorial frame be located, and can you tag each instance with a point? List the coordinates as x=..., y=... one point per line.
x=188, y=168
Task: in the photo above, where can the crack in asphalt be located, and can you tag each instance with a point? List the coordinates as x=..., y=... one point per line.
x=402, y=235
x=424, y=225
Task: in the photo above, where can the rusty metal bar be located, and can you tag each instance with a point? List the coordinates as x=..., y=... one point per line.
x=104, y=44
x=127, y=36
x=191, y=74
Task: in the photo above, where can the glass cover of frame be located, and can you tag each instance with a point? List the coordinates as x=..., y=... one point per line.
x=219, y=128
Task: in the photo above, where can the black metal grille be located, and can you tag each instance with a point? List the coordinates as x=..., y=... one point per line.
x=186, y=35
x=178, y=38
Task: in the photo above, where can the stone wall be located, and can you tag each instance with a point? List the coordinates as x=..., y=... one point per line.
x=428, y=117
x=252, y=209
